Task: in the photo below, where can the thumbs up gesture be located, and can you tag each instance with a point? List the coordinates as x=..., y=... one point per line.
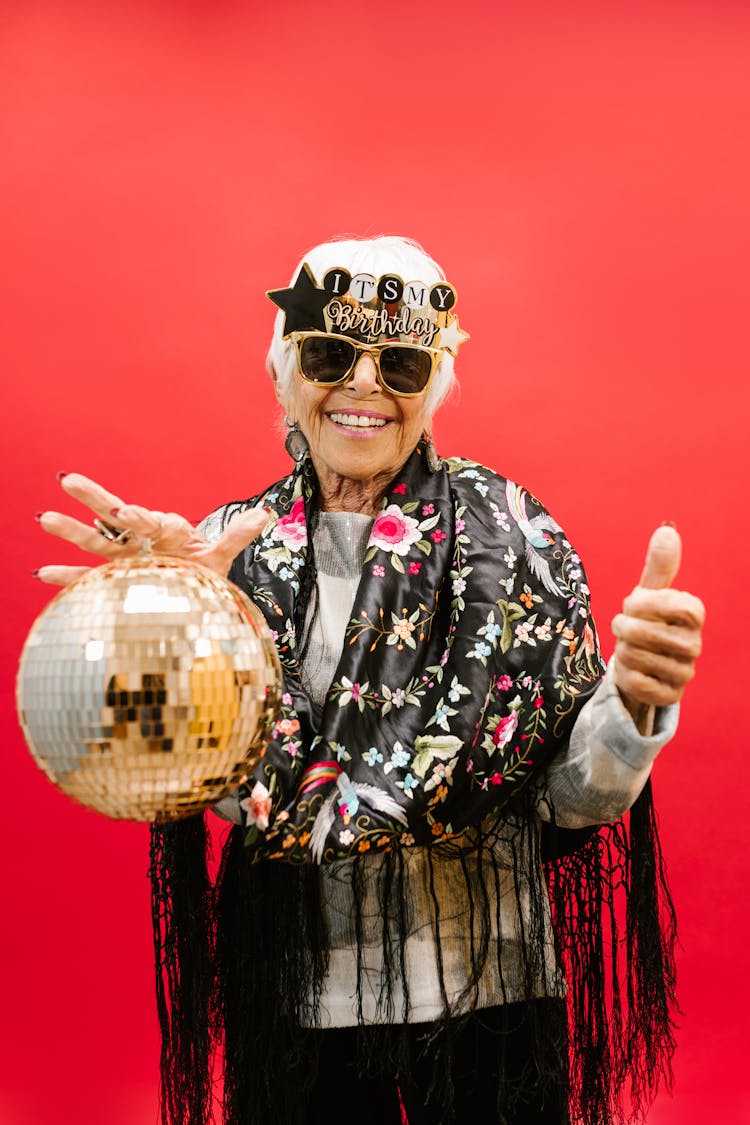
x=658, y=632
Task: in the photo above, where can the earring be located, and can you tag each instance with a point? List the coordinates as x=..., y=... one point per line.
x=433, y=459
x=296, y=442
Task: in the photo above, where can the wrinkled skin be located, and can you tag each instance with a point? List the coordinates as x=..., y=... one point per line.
x=657, y=634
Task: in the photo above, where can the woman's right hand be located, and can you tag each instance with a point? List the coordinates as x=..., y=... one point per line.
x=167, y=532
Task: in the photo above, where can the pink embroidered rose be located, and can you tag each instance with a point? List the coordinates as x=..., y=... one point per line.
x=504, y=683
x=257, y=806
x=505, y=730
x=393, y=531
x=286, y=726
x=291, y=529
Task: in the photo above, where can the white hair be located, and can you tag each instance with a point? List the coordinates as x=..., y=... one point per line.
x=377, y=256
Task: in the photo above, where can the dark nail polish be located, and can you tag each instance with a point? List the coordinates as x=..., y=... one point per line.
x=38, y=516
x=61, y=475
x=669, y=523
x=35, y=574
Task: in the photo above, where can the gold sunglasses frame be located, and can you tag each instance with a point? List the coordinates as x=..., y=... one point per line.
x=373, y=350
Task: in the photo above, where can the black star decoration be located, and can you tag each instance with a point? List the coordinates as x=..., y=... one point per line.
x=303, y=304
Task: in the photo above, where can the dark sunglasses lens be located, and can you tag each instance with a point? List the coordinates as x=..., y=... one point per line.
x=405, y=370
x=323, y=360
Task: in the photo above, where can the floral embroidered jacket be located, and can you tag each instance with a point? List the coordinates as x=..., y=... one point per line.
x=468, y=654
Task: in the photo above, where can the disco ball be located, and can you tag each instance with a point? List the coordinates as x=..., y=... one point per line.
x=146, y=688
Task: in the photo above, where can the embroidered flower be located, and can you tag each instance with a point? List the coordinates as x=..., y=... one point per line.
x=504, y=683
x=414, y=567
x=428, y=509
x=510, y=557
x=257, y=806
x=492, y=631
x=404, y=628
x=526, y=598
x=441, y=714
x=505, y=730
x=459, y=585
x=287, y=726
x=543, y=631
x=496, y=779
x=406, y=839
x=346, y=836
x=378, y=571
x=393, y=531
x=501, y=520
x=372, y=756
x=399, y=489
x=460, y=525
x=400, y=757
x=286, y=699
x=480, y=650
x=352, y=693
x=523, y=633
x=539, y=702
x=291, y=529
x=456, y=690
x=438, y=536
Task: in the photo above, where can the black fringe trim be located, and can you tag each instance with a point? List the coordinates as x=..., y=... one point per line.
x=241, y=967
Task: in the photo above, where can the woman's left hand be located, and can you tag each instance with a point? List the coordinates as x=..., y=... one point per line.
x=658, y=632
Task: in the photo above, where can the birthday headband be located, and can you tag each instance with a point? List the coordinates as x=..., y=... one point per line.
x=371, y=309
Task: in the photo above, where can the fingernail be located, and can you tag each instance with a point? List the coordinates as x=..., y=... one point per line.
x=669, y=523
x=61, y=475
x=38, y=516
x=35, y=574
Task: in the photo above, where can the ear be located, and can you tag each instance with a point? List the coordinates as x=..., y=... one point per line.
x=281, y=397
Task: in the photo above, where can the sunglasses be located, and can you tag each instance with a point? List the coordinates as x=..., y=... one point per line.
x=402, y=369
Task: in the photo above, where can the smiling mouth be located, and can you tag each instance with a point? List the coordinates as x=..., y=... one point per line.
x=358, y=421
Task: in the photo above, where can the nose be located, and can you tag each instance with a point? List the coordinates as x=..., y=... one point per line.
x=363, y=380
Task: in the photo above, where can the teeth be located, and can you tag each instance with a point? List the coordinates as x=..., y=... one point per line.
x=358, y=421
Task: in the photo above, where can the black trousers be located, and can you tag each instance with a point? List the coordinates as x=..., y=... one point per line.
x=491, y=1046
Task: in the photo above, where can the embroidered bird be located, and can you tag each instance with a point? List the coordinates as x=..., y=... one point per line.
x=346, y=796
x=535, y=532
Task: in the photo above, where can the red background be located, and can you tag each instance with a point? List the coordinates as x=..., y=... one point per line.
x=582, y=173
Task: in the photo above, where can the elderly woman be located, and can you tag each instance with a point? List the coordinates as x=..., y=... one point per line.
x=386, y=934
